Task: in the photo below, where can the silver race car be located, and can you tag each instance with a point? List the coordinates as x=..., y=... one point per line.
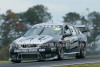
x=49, y=41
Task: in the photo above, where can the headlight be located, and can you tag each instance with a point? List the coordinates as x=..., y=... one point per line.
x=13, y=45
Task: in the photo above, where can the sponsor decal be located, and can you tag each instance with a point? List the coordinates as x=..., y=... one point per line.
x=25, y=50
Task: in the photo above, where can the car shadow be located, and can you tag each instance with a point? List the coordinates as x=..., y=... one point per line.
x=43, y=61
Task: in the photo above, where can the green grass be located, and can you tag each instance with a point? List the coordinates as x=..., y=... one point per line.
x=22, y=61
x=4, y=61
x=83, y=65
x=92, y=55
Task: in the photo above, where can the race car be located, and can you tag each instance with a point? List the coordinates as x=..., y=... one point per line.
x=49, y=41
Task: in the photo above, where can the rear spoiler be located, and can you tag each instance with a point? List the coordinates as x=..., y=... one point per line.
x=82, y=28
x=79, y=26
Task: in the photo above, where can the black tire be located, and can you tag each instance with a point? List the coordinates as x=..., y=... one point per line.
x=82, y=51
x=41, y=60
x=16, y=61
x=60, y=53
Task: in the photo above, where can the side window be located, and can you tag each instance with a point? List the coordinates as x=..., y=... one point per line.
x=72, y=30
x=78, y=31
x=67, y=30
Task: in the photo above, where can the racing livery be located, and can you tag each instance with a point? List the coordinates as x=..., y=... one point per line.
x=48, y=41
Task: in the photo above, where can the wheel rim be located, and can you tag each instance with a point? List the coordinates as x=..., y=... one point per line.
x=61, y=53
x=83, y=51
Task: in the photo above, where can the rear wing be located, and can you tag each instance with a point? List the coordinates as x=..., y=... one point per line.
x=82, y=28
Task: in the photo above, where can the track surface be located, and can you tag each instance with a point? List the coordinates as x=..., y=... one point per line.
x=49, y=63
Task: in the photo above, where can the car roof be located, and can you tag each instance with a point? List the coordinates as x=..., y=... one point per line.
x=50, y=23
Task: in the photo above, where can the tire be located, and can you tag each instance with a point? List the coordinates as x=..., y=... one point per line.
x=16, y=61
x=82, y=51
x=60, y=53
x=41, y=60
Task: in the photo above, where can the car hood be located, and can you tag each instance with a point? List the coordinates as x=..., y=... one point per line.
x=40, y=39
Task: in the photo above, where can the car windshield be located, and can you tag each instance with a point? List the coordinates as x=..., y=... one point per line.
x=44, y=30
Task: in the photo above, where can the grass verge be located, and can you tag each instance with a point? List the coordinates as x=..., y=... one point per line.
x=4, y=61
x=83, y=65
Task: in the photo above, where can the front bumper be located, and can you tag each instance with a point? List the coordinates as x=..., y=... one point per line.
x=40, y=54
x=24, y=56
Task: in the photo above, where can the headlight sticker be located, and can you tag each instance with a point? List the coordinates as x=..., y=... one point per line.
x=57, y=29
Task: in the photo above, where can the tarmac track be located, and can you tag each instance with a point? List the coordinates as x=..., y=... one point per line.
x=51, y=63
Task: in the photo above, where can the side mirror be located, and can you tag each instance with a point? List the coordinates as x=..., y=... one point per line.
x=19, y=36
x=85, y=30
x=66, y=35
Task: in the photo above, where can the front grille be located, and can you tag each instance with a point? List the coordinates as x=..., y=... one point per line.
x=28, y=45
x=29, y=56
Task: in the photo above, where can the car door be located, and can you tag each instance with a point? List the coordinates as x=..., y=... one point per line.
x=67, y=38
x=73, y=38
